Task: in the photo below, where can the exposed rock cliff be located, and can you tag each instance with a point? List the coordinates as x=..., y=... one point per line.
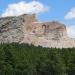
x=27, y=29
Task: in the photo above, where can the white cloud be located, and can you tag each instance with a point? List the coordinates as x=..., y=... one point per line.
x=71, y=28
x=71, y=31
x=70, y=14
x=22, y=7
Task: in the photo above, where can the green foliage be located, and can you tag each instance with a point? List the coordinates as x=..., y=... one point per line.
x=24, y=59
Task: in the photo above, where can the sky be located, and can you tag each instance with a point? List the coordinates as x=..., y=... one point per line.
x=46, y=10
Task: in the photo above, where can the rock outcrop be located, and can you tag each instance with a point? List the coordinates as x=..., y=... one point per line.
x=27, y=29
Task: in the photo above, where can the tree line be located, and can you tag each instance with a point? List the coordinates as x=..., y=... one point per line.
x=24, y=59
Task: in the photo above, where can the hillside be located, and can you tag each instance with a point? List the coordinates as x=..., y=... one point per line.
x=27, y=29
x=24, y=59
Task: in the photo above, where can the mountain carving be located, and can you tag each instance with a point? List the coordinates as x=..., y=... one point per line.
x=27, y=29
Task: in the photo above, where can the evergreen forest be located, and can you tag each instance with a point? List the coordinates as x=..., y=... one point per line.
x=24, y=59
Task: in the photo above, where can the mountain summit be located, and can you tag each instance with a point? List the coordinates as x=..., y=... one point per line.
x=27, y=29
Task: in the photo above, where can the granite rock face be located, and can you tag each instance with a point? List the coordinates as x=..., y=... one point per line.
x=27, y=29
